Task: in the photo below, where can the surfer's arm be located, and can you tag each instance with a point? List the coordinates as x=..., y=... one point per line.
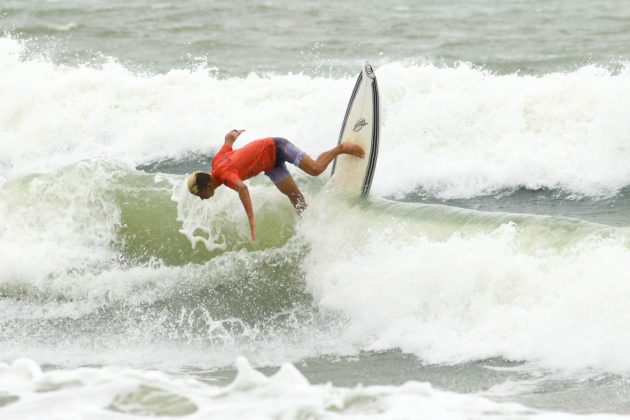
x=231, y=137
x=243, y=193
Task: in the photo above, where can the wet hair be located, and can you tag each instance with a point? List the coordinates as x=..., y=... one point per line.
x=201, y=180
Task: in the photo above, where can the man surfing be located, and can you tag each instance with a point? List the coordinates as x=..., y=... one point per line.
x=268, y=155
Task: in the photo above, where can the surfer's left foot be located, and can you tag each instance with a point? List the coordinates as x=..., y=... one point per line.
x=352, y=149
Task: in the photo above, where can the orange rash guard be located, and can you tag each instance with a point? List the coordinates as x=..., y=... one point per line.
x=230, y=166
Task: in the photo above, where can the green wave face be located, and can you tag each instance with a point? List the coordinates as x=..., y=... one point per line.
x=120, y=218
x=150, y=226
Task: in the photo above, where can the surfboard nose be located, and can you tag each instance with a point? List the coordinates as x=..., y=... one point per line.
x=369, y=71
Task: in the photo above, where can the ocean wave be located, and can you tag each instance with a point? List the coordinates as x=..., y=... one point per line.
x=99, y=238
x=122, y=257
x=450, y=132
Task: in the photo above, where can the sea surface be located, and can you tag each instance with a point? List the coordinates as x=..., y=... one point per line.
x=487, y=276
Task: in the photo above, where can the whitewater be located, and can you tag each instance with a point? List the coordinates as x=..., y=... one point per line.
x=485, y=277
x=470, y=132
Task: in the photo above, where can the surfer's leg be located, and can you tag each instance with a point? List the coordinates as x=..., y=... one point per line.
x=289, y=188
x=315, y=167
x=283, y=180
x=287, y=152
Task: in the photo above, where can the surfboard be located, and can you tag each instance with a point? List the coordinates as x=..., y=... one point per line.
x=361, y=125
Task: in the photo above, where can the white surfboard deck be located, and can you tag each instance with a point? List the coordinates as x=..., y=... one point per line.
x=361, y=125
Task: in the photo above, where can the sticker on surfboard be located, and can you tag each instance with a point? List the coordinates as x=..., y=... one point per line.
x=361, y=125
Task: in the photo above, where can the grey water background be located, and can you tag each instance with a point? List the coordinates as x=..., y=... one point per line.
x=238, y=37
x=334, y=38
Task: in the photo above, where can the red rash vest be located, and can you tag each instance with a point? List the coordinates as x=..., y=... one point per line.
x=230, y=166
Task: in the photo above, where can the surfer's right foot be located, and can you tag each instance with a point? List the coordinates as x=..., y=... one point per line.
x=352, y=149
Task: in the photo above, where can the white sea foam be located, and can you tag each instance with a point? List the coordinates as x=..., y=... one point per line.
x=117, y=393
x=58, y=223
x=461, y=132
x=450, y=132
x=466, y=297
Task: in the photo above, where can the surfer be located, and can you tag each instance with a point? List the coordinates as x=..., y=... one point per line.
x=232, y=167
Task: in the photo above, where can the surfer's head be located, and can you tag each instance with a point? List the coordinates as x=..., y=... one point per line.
x=201, y=185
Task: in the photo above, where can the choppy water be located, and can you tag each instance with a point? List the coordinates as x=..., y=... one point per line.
x=278, y=36
x=485, y=277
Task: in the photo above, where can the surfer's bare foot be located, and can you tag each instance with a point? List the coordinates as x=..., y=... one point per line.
x=352, y=149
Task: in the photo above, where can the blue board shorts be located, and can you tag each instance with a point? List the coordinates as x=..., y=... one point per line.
x=285, y=152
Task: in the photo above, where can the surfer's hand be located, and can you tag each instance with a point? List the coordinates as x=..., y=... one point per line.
x=231, y=136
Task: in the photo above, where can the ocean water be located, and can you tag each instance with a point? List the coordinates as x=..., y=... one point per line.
x=486, y=276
